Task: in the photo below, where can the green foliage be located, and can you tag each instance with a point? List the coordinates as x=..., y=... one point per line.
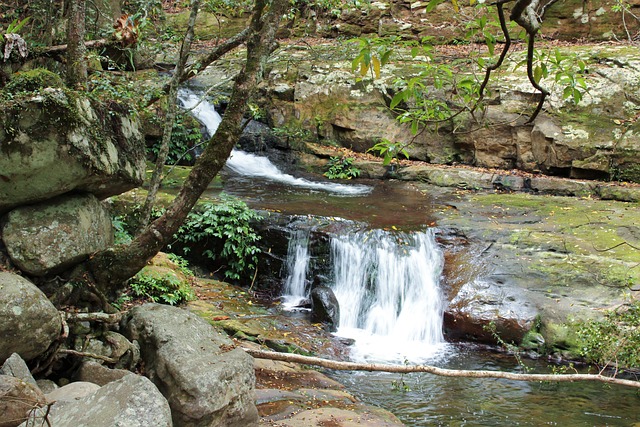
x=121, y=232
x=183, y=139
x=389, y=150
x=15, y=27
x=614, y=340
x=33, y=80
x=292, y=133
x=181, y=263
x=157, y=287
x=373, y=55
x=342, y=168
x=228, y=7
x=228, y=222
x=568, y=71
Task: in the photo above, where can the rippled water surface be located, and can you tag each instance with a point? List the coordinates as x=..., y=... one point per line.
x=426, y=400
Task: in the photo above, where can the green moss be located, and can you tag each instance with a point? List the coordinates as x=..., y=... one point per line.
x=33, y=80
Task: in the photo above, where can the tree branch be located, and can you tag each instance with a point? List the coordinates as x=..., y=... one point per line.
x=404, y=369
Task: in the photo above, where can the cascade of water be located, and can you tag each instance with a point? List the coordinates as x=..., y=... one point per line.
x=201, y=109
x=387, y=286
x=295, y=286
x=249, y=164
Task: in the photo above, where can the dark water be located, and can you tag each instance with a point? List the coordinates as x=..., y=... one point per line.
x=426, y=400
x=389, y=203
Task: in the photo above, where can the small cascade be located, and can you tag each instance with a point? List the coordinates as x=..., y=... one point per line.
x=201, y=109
x=390, y=301
x=387, y=284
x=295, y=287
x=247, y=164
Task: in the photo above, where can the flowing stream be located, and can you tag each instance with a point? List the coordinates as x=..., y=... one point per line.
x=387, y=284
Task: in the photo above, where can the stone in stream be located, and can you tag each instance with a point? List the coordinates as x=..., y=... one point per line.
x=325, y=307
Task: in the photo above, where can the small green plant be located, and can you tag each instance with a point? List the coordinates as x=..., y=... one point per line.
x=373, y=55
x=228, y=223
x=166, y=288
x=183, y=138
x=613, y=340
x=389, y=151
x=342, y=168
x=120, y=230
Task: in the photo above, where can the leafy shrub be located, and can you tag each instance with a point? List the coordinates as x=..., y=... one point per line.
x=614, y=340
x=184, y=137
x=120, y=229
x=342, y=168
x=228, y=223
x=161, y=286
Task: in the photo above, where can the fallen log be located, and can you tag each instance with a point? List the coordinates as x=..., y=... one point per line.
x=443, y=372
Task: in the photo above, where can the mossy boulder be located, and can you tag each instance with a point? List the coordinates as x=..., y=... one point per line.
x=99, y=146
x=33, y=80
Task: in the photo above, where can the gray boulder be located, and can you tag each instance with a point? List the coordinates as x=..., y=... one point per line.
x=98, y=374
x=48, y=237
x=17, y=399
x=72, y=391
x=132, y=401
x=57, y=142
x=29, y=323
x=325, y=308
x=207, y=382
x=15, y=366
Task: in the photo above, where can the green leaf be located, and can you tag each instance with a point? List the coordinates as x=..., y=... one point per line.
x=397, y=99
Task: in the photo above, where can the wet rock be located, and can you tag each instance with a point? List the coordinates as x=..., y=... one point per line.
x=132, y=401
x=485, y=312
x=206, y=381
x=100, y=147
x=29, y=323
x=325, y=307
x=17, y=399
x=48, y=237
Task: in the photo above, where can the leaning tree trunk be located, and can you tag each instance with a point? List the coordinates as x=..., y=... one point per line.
x=110, y=268
x=163, y=152
x=76, y=50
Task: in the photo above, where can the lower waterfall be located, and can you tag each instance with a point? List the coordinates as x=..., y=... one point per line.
x=387, y=285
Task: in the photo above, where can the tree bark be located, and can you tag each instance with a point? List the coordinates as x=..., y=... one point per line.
x=405, y=369
x=112, y=267
x=163, y=152
x=76, y=50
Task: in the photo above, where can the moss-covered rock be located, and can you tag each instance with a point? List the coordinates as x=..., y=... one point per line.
x=32, y=80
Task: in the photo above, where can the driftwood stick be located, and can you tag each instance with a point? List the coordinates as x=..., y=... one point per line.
x=90, y=355
x=404, y=369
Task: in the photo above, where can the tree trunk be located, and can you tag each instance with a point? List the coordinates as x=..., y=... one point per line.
x=163, y=152
x=76, y=50
x=112, y=267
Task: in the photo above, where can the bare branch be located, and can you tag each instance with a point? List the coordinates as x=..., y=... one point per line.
x=403, y=369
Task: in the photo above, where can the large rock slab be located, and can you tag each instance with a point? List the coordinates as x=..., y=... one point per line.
x=50, y=236
x=132, y=401
x=207, y=382
x=29, y=323
x=100, y=148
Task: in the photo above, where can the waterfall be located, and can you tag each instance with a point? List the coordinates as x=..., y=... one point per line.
x=390, y=301
x=295, y=286
x=247, y=164
x=387, y=284
x=201, y=109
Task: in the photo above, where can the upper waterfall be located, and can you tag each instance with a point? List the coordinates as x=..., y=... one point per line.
x=247, y=164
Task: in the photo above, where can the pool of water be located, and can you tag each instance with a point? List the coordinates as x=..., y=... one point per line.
x=426, y=400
